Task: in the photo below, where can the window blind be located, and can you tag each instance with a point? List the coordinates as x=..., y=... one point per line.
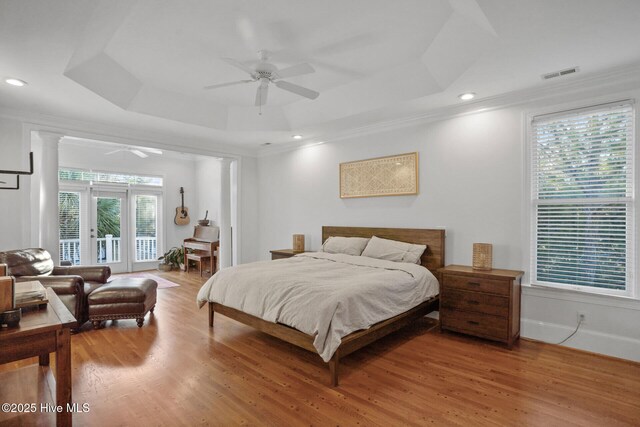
x=582, y=177
x=69, y=220
x=146, y=227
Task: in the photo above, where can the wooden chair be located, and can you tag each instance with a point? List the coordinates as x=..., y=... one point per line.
x=204, y=244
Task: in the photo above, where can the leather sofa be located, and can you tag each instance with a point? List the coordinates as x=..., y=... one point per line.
x=71, y=284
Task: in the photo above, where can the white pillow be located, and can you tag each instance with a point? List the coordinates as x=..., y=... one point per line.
x=392, y=250
x=345, y=245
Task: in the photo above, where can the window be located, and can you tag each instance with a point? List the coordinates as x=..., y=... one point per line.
x=69, y=217
x=68, y=174
x=146, y=227
x=582, y=188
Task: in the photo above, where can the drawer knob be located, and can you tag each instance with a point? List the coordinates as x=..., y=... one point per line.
x=473, y=322
x=473, y=284
x=474, y=302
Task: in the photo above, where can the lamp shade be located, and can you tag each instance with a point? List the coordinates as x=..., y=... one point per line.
x=482, y=256
x=298, y=242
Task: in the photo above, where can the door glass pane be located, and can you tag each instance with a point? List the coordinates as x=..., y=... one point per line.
x=108, y=216
x=69, y=217
x=146, y=228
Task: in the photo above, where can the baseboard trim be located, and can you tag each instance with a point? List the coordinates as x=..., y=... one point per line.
x=585, y=339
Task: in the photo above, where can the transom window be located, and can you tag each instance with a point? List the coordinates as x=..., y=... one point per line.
x=70, y=174
x=582, y=188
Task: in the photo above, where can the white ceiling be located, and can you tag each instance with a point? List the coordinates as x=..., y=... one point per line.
x=142, y=64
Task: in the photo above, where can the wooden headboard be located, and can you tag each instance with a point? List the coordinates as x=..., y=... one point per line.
x=432, y=258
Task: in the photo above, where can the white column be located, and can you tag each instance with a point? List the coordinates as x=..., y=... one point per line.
x=225, y=213
x=47, y=164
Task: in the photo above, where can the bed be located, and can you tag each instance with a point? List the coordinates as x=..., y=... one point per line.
x=353, y=312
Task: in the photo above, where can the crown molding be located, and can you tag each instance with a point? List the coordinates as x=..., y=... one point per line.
x=617, y=79
x=121, y=135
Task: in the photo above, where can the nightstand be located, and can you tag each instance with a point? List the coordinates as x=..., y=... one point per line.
x=484, y=304
x=283, y=253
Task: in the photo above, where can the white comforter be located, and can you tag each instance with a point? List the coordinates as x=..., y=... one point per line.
x=323, y=295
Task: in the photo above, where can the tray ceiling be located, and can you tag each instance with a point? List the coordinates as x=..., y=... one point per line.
x=143, y=62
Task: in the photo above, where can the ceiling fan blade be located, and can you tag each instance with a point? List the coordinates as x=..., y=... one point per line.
x=227, y=84
x=139, y=153
x=296, y=70
x=261, y=94
x=150, y=150
x=3, y=182
x=299, y=90
x=240, y=66
x=114, y=151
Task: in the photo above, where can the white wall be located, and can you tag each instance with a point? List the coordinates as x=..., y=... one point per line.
x=248, y=203
x=467, y=176
x=207, y=180
x=177, y=172
x=471, y=182
x=14, y=154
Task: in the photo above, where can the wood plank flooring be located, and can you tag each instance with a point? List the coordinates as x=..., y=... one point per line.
x=176, y=371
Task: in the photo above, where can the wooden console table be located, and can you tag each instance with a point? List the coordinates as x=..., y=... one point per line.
x=42, y=332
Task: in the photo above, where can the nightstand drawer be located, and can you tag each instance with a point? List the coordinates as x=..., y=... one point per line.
x=483, y=325
x=475, y=301
x=464, y=283
x=283, y=253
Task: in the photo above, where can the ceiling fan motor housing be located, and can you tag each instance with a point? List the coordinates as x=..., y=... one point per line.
x=264, y=75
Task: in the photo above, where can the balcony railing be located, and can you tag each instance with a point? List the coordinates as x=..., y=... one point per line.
x=146, y=248
x=109, y=249
x=70, y=250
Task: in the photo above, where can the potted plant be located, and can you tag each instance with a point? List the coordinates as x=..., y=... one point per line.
x=173, y=258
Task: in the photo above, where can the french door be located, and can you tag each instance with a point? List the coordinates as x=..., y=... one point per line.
x=107, y=225
x=108, y=232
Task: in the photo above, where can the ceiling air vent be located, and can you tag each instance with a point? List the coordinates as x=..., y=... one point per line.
x=560, y=73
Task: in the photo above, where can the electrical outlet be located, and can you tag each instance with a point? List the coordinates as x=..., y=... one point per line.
x=582, y=317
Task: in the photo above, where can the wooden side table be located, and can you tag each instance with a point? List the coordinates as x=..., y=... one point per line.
x=42, y=332
x=284, y=253
x=484, y=304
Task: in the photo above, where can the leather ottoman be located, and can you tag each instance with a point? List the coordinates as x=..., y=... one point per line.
x=125, y=298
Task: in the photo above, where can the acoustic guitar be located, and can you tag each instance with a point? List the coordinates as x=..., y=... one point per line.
x=182, y=212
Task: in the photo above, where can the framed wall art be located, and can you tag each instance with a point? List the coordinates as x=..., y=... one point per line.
x=381, y=176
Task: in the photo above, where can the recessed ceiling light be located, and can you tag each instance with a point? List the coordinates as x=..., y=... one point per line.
x=297, y=136
x=467, y=96
x=15, y=82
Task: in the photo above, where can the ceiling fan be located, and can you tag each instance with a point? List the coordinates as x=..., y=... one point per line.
x=138, y=151
x=265, y=72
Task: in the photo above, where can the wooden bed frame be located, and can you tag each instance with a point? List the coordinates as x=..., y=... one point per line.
x=433, y=259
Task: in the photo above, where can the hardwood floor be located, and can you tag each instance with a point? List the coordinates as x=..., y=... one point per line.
x=177, y=371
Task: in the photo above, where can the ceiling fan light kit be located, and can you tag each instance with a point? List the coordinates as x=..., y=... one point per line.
x=266, y=72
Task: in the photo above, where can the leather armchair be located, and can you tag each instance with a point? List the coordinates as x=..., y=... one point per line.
x=71, y=284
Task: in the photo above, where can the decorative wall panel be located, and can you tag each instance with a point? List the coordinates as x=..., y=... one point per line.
x=383, y=176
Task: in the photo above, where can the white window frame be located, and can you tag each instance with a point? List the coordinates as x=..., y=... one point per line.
x=83, y=190
x=632, y=290
x=143, y=190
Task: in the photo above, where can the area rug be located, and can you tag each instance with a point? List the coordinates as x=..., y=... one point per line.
x=162, y=283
